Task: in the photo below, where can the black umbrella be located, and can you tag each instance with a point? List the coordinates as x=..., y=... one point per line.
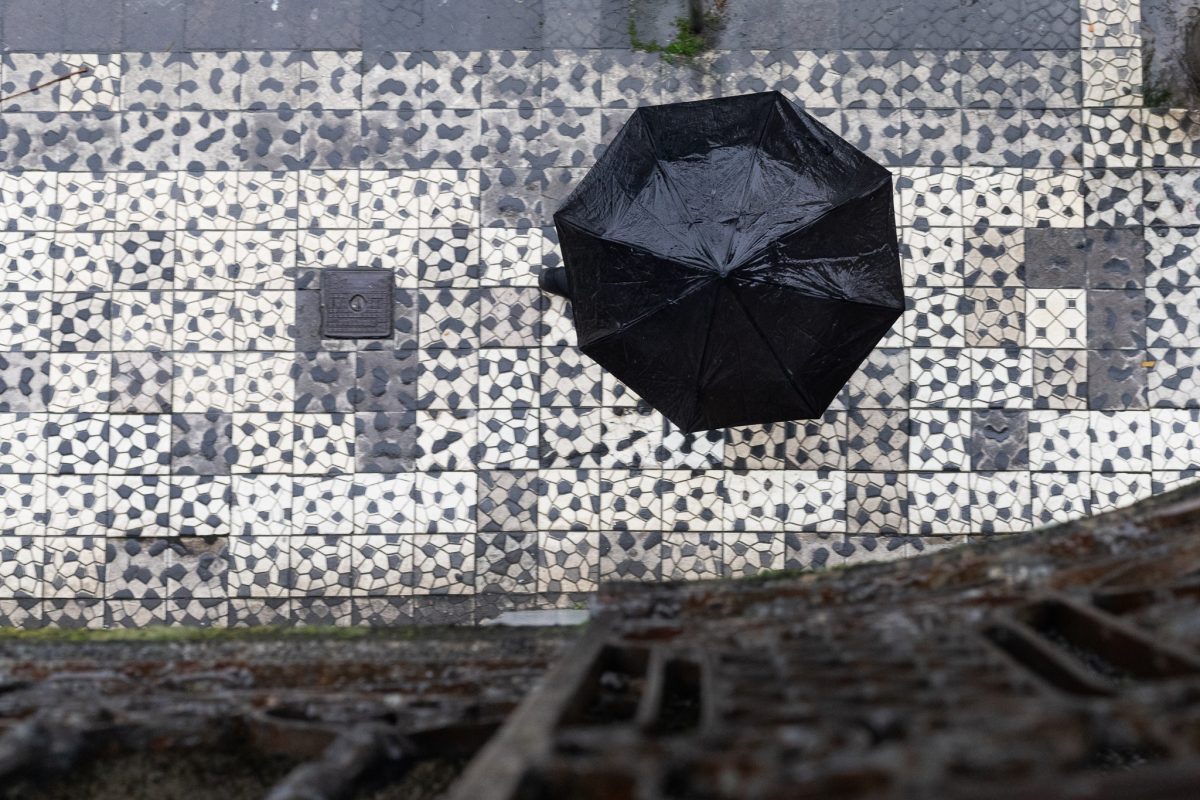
x=732, y=261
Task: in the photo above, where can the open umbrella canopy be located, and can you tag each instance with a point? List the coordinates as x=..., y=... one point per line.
x=732, y=261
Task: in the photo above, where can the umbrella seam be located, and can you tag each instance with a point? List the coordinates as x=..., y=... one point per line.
x=808, y=403
x=703, y=268
x=742, y=276
x=762, y=281
x=754, y=253
x=667, y=184
x=707, y=268
x=712, y=313
x=642, y=317
x=762, y=132
x=656, y=309
x=706, y=274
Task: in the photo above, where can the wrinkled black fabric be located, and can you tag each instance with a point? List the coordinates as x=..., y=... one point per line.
x=732, y=261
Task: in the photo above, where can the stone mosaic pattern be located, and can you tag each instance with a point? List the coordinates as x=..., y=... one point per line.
x=178, y=445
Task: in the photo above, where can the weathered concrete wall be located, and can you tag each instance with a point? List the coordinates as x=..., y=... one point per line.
x=1165, y=24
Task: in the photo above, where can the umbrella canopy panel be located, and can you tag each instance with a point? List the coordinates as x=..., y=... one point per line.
x=732, y=261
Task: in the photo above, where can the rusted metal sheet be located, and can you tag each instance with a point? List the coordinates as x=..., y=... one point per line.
x=1060, y=664
x=346, y=713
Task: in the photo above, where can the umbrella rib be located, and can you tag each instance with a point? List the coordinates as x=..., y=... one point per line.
x=680, y=206
x=750, y=255
x=712, y=313
x=762, y=134
x=770, y=349
x=608, y=237
x=762, y=280
x=666, y=229
x=645, y=315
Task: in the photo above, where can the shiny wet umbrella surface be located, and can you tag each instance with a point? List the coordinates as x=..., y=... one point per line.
x=732, y=261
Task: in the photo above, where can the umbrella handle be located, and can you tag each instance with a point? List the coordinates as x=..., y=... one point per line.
x=554, y=280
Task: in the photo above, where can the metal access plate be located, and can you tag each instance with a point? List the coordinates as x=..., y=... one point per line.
x=356, y=303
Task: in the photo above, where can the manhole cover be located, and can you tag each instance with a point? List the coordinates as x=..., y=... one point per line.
x=356, y=303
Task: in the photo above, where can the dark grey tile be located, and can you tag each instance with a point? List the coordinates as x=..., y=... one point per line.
x=153, y=25
x=202, y=444
x=1116, y=380
x=387, y=380
x=1055, y=258
x=991, y=24
x=598, y=23
x=761, y=24
x=496, y=25
x=1116, y=258
x=1052, y=25
x=276, y=26
x=801, y=25
x=444, y=27
x=33, y=25
x=333, y=26
x=394, y=26
x=386, y=441
x=308, y=321
x=870, y=24
x=999, y=440
x=214, y=25
x=653, y=23
x=933, y=24
x=91, y=27
x=1116, y=318
x=513, y=24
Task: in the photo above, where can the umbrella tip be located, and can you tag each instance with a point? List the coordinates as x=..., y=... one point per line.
x=554, y=280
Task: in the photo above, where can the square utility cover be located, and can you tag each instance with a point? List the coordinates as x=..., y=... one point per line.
x=356, y=303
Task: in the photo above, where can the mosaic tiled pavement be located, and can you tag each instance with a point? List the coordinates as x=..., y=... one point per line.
x=177, y=444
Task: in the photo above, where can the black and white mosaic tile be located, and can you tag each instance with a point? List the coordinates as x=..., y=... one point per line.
x=178, y=445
